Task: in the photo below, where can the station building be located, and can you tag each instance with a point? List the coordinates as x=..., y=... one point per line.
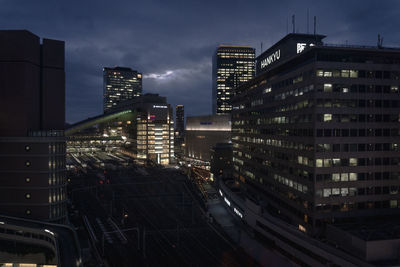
x=142, y=127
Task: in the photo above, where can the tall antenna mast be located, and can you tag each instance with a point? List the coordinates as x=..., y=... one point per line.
x=293, y=24
x=307, y=21
x=315, y=25
x=287, y=25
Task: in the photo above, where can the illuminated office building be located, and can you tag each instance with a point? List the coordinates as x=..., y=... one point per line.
x=32, y=118
x=142, y=127
x=155, y=130
x=232, y=66
x=316, y=133
x=120, y=84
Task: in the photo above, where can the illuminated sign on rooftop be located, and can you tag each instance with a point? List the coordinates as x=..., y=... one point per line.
x=158, y=106
x=271, y=58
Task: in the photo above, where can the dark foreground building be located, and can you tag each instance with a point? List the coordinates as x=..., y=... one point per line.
x=32, y=117
x=316, y=134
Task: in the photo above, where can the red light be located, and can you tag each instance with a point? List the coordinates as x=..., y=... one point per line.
x=101, y=182
x=108, y=181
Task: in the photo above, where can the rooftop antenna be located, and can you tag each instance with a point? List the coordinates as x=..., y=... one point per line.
x=261, y=48
x=307, y=21
x=380, y=41
x=293, y=23
x=287, y=25
x=315, y=25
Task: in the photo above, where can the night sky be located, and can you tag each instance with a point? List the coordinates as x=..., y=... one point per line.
x=172, y=42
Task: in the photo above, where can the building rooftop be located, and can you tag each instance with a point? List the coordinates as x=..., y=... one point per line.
x=372, y=231
x=234, y=46
x=119, y=68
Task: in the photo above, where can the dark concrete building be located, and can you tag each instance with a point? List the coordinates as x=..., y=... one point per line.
x=179, y=130
x=180, y=121
x=316, y=133
x=120, y=84
x=32, y=118
x=232, y=66
x=221, y=161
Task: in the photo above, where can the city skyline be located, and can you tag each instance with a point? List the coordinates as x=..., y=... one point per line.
x=96, y=38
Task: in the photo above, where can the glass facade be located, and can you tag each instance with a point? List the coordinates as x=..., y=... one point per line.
x=232, y=66
x=120, y=84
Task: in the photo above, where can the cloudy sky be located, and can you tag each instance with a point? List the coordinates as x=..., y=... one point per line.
x=171, y=42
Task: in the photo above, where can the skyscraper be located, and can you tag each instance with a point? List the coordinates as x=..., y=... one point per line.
x=120, y=84
x=180, y=120
x=32, y=119
x=316, y=134
x=232, y=66
x=179, y=130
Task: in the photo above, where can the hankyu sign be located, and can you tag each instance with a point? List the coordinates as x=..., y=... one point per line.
x=271, y=58
x=302, y=46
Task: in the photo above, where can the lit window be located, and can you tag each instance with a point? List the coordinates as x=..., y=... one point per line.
x=353, y=73
x=344, y=191
x=27, y=163
x=27, y=196
x=327, y=117
x=345, y=73
x=353, y=176
x=327, y=162
x=27, y=148
x=335, y=191
x=327, y=87
x=27, y=212
x=318, y=162
x=336, y=177
x=353, y=161
x=27, y=180
x=327, y=192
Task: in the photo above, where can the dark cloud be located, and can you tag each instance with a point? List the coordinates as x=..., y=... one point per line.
x=172, y=41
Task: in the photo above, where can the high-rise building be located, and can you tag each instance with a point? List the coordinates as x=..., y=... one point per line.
x=120, y=84
x=180, y=120
x=32, y=119
x=232, y=66
x=316, y=134
x=179, y=130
